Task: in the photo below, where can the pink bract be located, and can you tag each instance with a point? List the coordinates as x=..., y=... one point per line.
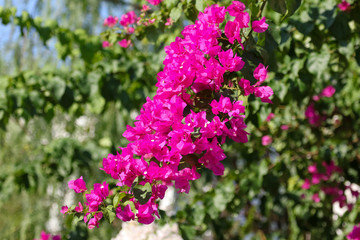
x=77, y=185
x=128, y=18
x=145, y=8
x=344, y=6
x=169, y=22
x=125, y=43
x=260, y=74
x=111, y=21
x=64, y=209
x=328, y=91
x=266, y=140
x=355, y=233
x=235, y=8
x=105, y=44
x=154, y=2
x=316, y=197
x=260, y=26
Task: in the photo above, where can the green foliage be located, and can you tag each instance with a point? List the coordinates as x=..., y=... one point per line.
x=309, y=45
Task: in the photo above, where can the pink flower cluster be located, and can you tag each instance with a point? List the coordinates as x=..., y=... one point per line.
x=266, y=140
x=111, y=21
x=154, y=2
x=183, y=127
x=311, y=114
x=260, y=26
x=344, y=6
x=326, y=92
x=48, y=236
x=263, y=92
x=128, y=22
x=78, y=185
x=355, y=233
x=94, y=199
x=327, y=185
x=242, y=19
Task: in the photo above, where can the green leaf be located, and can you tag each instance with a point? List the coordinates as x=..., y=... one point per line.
x=142, y=193
x=152, y=33
x=175, y=13
x=340, y=28
x=187, y=232
x=131, y=203
x=292, y=6
x=57, y=87
x=357, y=55
x=278, y=6
x=170, y=3
x=271, y=183
x=224, y=193
x=77, y=219
x=318, y=62
x=190, y=10
x=118, y=197
x=109, y=213
x=202, y=4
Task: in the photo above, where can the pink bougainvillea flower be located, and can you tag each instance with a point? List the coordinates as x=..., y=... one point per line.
x=316, y=178
x=106, y=44
x=213, y=14
x=125, y=43
x=246, y=86
x=235, y=8
x=64, y=209
x=168, y=129
x=94, y=222
x=306, y=184
x=47, y=236
x=232, y=31
x=316, y=98
x=77, y=185
x=269, y=117
x=284, y=127
x=312, y=168
x=145, y=8
x=129, y=30
x=344, y=6
x=79, y=208
x=316, y=197
x=97, y=196
x=230, y=62
x=264, y=92
x=169, y=22
x=260, y=26
x=313, y=116
x=355, y=233
x=111, y=21
x=224, y=105
x=128, y=18
x=125, y=214
x=243, y=19
x=151, y=21
x=56, y=237
x=154, y=2
x=328, y=91
x=266, y=140
x=260, y=74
